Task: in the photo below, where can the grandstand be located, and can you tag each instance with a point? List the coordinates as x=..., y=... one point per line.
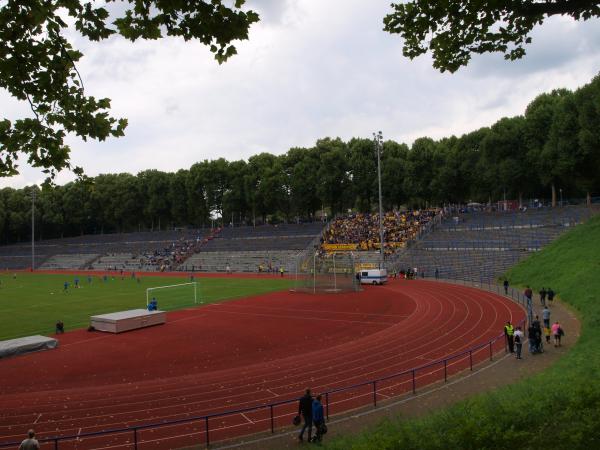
x=480, y=246
x=243, y=249
x=87, y=251
x=255, y=249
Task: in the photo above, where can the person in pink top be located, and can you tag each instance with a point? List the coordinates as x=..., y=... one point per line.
x=557, y=332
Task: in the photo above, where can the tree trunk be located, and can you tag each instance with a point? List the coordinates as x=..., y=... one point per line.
x=589, y=199
x=520, y=199
x=553, y=196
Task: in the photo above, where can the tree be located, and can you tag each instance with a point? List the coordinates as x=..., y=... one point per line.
x=453, y=30
x=547, y=125
x=420, y=169
x=234, y=198
x=334, y=184
x=154, y=187
x=588, y=156
x=393, y=170
x=363, y=168
x=38, y=65
x=504, y=163
x=178, y=197
x=301, y=166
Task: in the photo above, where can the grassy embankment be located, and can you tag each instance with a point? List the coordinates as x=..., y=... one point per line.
x=558, y=408
x=32, y=303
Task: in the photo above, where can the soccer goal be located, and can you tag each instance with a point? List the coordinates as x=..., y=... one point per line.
x=174, y=296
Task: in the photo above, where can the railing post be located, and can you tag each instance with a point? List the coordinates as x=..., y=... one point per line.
x=135, y=440
x=471, y=359
x=327, y=405
x=491, y=351
x=55, y=443
x=206, y=426
x=375, y=393
x=272, y=421
x=414, y=383
x=445, y=370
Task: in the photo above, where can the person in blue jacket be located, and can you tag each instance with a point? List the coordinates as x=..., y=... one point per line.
x=318, y=419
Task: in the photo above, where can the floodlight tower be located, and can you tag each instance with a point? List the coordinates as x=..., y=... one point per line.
x=378, y=142
x=32, y=229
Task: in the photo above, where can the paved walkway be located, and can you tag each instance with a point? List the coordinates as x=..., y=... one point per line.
x=505, y=369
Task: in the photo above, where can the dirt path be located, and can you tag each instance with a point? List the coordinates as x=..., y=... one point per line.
x=505, y=369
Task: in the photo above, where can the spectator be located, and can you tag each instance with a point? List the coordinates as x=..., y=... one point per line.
x=518, y=339
x=505, y=286
x=318, y=418
x=550, y=293
x=30, y=443
x=557, y=332
x=543, y=293
x=60, y=327
x=509, y=333
x=363, y=229
x=546, y=316
x=305, y=410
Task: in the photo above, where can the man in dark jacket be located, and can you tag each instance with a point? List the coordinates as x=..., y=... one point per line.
x=543, y=293
x=305, y=410
x=550, y=294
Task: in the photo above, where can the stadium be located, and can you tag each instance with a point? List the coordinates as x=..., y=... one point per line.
x=437, y=289
x=228, y=363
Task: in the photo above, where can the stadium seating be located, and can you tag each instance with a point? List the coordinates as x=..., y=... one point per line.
x=69, y=261
x=53, y=253
x=252, y=249
x=242, y=261
x=480, y=246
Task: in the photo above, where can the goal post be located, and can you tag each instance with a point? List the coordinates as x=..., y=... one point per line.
x=174, y=296
x=318, y=272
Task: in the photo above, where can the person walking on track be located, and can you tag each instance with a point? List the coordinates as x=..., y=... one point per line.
x=305, y=410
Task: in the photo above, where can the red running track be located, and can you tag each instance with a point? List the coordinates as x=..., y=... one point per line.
x=245, y=353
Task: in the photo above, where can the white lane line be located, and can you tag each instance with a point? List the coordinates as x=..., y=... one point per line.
x=38, y=418
x=272, y=393
x=383, y=395
x=246, y=417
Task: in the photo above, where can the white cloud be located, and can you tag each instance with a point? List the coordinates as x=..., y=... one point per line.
x=311, y=69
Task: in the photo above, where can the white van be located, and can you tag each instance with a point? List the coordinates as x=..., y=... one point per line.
x=373, y=276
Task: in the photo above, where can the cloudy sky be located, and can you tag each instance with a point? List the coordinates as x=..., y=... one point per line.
x=311, y=69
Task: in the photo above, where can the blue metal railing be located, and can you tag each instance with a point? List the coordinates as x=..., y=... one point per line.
x=205, y=419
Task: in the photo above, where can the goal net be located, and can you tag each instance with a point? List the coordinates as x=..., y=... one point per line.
x=174, y=296
x=323, y=273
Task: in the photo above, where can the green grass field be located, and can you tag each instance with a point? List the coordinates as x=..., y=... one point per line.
x=32, y=303
x=557, y=408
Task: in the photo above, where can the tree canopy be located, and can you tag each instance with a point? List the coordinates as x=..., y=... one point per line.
x=552, y=148
x=39, y=65
x=453, y=30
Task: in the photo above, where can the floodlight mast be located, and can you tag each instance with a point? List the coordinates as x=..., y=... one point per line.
x=378, y=142
x=32, y=229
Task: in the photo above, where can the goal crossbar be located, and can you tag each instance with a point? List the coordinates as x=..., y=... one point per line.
x=191, y=283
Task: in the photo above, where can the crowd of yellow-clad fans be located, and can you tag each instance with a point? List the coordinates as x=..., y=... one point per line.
x=358, y=231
